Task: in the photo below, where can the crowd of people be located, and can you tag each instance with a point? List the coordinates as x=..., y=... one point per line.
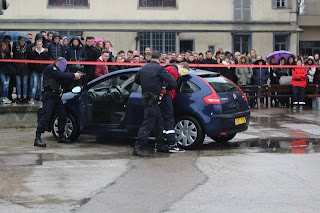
x=27, y=77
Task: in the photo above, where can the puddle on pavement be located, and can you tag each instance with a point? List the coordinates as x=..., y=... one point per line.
x=285, y=146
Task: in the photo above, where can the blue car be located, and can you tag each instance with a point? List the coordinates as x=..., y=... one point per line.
x=206, y=104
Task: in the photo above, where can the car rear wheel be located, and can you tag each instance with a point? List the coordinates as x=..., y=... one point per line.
x=189, y=132
x=223, y=139
x=71, y=128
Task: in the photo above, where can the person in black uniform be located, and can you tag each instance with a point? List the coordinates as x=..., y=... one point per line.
x=53, y=76
x=152, y=77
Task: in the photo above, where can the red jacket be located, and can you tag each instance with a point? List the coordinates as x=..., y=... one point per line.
x=299, y=77
x=173, y=70
x=101, y=69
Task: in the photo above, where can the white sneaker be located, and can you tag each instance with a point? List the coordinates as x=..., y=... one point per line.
x=6, y=100
x=31, y=102
x=175, y=148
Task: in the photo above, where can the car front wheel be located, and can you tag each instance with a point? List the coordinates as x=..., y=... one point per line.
x=71, y=128
x=189, y=133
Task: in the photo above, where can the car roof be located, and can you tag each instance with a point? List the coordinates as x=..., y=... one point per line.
x=192, y=72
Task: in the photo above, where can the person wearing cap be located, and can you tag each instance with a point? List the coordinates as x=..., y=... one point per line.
x=54, y=75
x=56, y=49
x=152, y=77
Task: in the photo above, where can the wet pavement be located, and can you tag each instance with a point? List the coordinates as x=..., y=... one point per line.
x=272, y=167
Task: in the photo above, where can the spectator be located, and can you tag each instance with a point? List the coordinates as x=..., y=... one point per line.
x=141, y=59
x=148, y=56
x=102, y=69
x=228, y=72
x=274, y=77
x=76, y=53
x=291, y=62
x=209, y=60
x=216, y=57
x=136, y=59
x=45, y=40
x=253, y=56
x=108, y=46
x=55, y=49
x=5, y=69
x=283, y=72
x=20, y=52
x=65, y=45
x=316, y=59
x=311, y=70
x=30, y=36
x=81, y=38
x=100, y=46
x=244, y=74
x=129, y=56
x=186, y=56
x=37, y=53
x=260, y=77
x=122, y=54
x=200, y=58
x=49, y=37
x=236, y=57
x=135, y=52
x=147, y=50
x=92, y=55
x=119, y=59
x=191, y=59
x=173, y=58
x=179, y=58
x=298, y=86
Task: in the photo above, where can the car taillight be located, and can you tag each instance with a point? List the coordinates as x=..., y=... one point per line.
x=213, y=98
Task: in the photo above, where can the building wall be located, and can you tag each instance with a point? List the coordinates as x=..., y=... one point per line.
x=310, y=34
x=117, y=10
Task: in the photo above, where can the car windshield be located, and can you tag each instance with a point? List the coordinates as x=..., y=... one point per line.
x=220, y=84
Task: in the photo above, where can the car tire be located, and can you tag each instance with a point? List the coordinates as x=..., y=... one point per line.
x=72, y=130
x=223, y=139
x=189, y=132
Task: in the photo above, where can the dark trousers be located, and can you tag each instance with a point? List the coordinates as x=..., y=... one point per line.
x=152, y=122
x=167, y=112
x=50, y=106
x=299, y=94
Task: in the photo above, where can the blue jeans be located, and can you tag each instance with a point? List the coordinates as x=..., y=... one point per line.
x=4, y=79
x=35, y=85
x=22, y=81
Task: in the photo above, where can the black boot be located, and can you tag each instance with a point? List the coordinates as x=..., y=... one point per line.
x=62, y=139
x=161, y=147
x=39, y=142
x=139, y=151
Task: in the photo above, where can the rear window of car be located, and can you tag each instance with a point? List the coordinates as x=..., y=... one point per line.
x=221, y=84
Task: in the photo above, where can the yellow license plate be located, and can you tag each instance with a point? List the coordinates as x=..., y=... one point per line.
x=241, y=120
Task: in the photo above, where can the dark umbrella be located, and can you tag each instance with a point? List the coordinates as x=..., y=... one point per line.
x=14, y=35
x=279, y=54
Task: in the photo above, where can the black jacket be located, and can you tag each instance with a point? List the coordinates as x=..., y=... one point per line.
x=56, y=50
x=34, y=55
x=20, y=53
x=210, y=61
x=92, y=53
x=53, y=78
x=152, y=76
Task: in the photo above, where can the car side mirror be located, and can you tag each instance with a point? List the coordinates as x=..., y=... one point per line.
x=76, y=90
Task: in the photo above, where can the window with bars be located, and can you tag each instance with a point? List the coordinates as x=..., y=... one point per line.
x=282, y=4
x=309, y=48
x=160, y=41
x=68, y=2
x=281, y=42
x=242, y=10
x=241, y=43
x=157, y=3
x=69, y=34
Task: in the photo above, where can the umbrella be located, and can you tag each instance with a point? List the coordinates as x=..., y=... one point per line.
x=279, y=54
x=96, y=40
x=14, y=35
